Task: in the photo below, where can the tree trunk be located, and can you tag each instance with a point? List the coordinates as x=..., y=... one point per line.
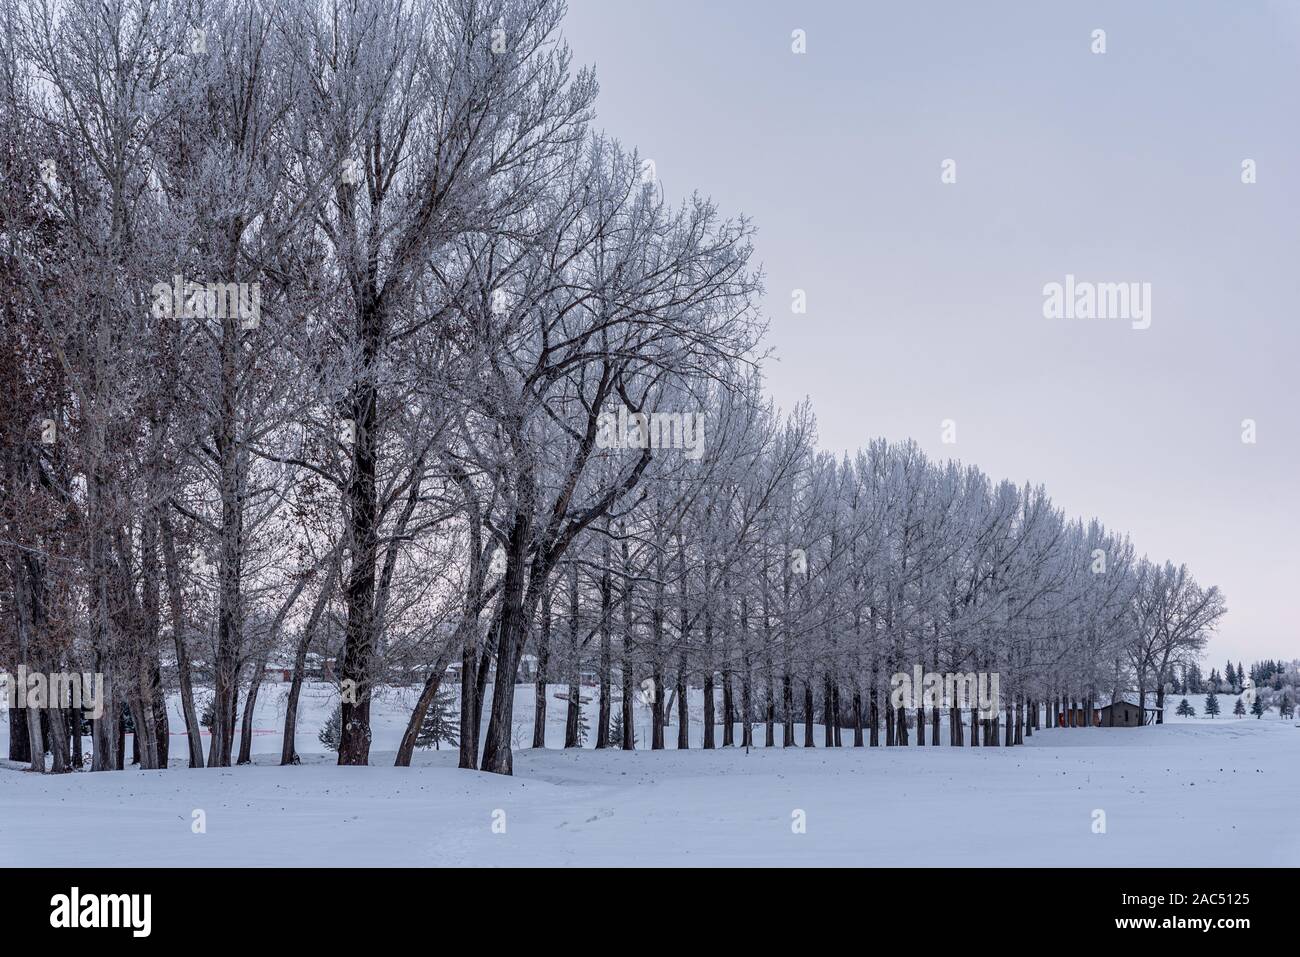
x=606, y=652
x=25, y=615
x=430, y=691
x=857, y=718
x=19, y=742
x=746, y=679
x=573, y=712
x=288, y=752
x=175, y=599
x=787, y=707
x=828, y=713
x=627, y=677
x=808, y=741
x=728, y=711
x=709, y=716
x=683, y=706
x=543, y=663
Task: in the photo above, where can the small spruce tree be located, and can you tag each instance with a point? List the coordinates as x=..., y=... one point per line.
x=441, y=723
x=1211, y=704
x=332, y=732
x=1257, y=707
x=616, y=730
x=1239, y=709
x=1185, y=710
x=583, y=728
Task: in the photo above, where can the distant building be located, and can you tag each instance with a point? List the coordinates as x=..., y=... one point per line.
x=1079, y=718
x=1125, y=714
x=527, y=669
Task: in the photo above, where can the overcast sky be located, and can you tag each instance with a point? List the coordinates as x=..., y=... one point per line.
x=925, y=299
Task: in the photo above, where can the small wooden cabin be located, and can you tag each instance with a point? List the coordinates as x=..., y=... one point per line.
x=1125, y=714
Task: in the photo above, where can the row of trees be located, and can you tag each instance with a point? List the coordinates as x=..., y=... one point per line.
x=329, y=328
x=1269, y=674
x=1259, y=706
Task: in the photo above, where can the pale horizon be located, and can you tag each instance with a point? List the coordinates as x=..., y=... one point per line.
x=924, y=299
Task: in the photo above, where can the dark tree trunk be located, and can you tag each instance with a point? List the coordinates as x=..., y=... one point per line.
x=835, y=712
x=543, y=663
x=363, y=535
x=19, y=741
x=873, y=710
x=857, y=718
x=175, y=599
x=120, y=744
x=808, y=709
x=629, y=642
x=627, y=705
x=161, y=724
x=74, y=731
x=709, y=716
x=606, y=653
x=746, y=679
x=828, y=713
x=519, y=596
x=683, y=708
x=430, y=691
x=573, y=710
x=728, y=712
x=787, y=706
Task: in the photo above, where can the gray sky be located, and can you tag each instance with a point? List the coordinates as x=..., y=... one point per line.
x=925, y=299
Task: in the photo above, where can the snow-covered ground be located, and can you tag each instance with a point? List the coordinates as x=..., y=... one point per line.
x=1194, y=792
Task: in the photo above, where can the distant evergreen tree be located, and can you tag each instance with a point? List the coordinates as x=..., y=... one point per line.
x=616, y=730
x=1257, y=707
x=583, y=728
x=1185, y=710
x=1286, y=707
x=1241, y=678
x=441, y=723
x=333, y=729
x=1215, y=680
x=1239, y=709
x=1212, y=704
x=208, y=716
x=1230, y=677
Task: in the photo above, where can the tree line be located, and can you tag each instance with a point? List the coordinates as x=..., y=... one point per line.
x=339, y=329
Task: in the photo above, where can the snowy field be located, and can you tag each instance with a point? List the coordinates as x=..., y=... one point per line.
x=1194, y=792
